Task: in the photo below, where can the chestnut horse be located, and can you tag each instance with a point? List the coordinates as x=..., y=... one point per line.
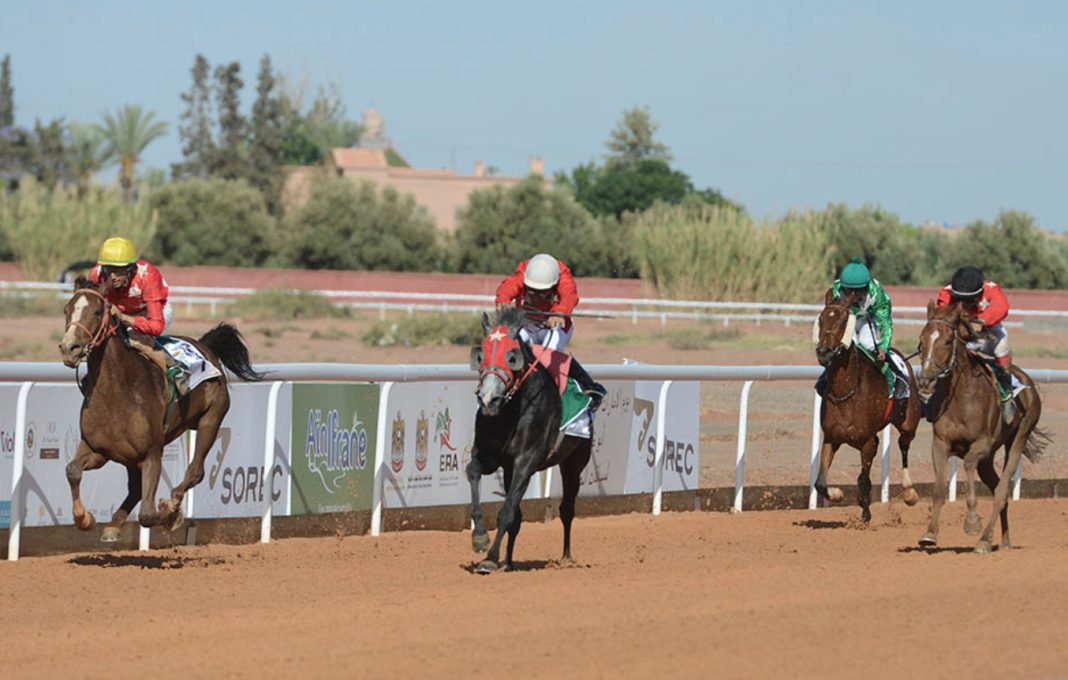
x=962, y=402
x=857, y=405
x=125, y=415
x=516, y=428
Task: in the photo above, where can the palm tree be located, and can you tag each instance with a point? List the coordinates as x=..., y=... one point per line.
x=87, y=154
x=126, y=134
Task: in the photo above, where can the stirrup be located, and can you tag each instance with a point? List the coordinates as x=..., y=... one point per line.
x=1008, y=409
x=597, y=394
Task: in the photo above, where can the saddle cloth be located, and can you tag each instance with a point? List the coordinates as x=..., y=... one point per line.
x=187, y=354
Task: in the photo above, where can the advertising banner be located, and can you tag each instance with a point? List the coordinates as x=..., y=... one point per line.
x=681, y=448
x=432, y=430
x=332, y=451
x=52, y=437
x=235, y=483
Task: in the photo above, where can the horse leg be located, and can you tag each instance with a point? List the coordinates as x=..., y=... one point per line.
x=171, y=508
x=973, y=524
x=570, y=471
x=867, y=455
x=1001, y=500
x=148, y=516
x=906, y=432
x=84, y=459
x=827, y=451
x=990, y=477
x=517, y=520
x=475, y=470
x=133, y=494
x=939, y=458
x=507, y=516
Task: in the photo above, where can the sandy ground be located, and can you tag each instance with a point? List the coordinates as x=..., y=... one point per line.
x=769, y=594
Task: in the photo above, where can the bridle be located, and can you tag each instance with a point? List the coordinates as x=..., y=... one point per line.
x=490, y=366
x=108, y=325
x=835, y=353
x=948, y=368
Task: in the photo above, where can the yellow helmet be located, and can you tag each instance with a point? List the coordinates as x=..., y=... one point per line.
x=116, y=252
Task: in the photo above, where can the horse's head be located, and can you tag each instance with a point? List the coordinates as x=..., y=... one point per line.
x=500, y=360
x=89, y=320
x=833, y=330
x=946, y=329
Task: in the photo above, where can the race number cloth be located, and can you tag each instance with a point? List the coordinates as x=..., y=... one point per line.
x=575, y=416
x=186, y=353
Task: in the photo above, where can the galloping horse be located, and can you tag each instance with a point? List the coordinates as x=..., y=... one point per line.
x=962, y=402
x=856, y=406
x=516, y=429
x=125, y=415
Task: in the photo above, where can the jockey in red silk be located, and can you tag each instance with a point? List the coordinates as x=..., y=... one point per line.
x=544, y=288
x=139, y=292
x=985, y=300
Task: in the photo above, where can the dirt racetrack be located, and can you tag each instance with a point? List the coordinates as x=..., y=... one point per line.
x=761, y=594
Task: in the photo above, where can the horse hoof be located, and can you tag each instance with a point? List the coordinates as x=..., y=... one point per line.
x=110, y=535
x=973, y=524
x=910, y=496
x=835, y=494
x=480, y=542
x=865, y=516
x=928, y=540
x=486, y=567
x=983, y=548
x=171, y=514
x=85, y=522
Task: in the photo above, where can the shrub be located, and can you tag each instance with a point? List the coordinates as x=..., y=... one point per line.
x=280, y=304
x=212, y=221
x=438, y=329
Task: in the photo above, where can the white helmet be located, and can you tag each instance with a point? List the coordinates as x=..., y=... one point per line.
x=542, y=272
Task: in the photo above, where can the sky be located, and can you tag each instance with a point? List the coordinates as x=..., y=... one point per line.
x=942, y=112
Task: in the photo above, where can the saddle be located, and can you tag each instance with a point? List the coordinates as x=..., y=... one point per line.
x=574, y=402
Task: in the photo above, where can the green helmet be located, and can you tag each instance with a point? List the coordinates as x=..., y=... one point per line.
x=855, y=275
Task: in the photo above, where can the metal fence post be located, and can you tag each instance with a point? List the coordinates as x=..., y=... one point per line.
x=952, y=479
x=380, y=460
x=15, y=527
x=661, y=435
x=886, y=464
x=814, y=464
x=268, y=461
x=739, y=456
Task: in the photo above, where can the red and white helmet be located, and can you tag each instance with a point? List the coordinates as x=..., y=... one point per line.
x=542, y=272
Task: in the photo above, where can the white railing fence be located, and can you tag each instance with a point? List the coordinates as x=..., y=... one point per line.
x=31, y=373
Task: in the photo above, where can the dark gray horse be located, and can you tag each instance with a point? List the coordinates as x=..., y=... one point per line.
x=517, y=429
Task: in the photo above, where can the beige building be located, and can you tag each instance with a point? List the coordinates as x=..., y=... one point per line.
x=441, y=192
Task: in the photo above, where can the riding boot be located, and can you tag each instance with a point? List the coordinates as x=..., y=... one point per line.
x=587, y=384
x=821, y=385
x=1008, y=403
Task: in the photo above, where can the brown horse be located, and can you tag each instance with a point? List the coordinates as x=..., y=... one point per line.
x=857, y=405
x=962, y=401
x=125, y=415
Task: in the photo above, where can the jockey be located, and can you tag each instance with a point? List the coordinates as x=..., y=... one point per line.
x=139, y=293
x=544, y=288
x=875, y=326
x=989, y=305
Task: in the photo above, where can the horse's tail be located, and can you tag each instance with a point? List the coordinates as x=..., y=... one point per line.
x=228, y=345
x=1035, y=446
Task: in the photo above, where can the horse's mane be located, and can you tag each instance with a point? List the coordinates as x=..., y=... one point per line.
x=512, y=318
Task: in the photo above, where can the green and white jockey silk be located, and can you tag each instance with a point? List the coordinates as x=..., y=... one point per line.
x=874, y=309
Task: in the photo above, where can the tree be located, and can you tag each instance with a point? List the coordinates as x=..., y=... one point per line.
x=86, y=154
x=7, y=94
x=230, y=161
x=876, y=236
x=265, y=149
x=308, y=137
x=1011, y=251
x=632, y=140
x=198, y=147
x=348, y=226
x=213, y=221
x=126, y=134
x=501, y=226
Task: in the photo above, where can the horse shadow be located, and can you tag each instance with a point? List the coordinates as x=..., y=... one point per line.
x=934, y=550
x=109, y=560
x=528, y=565
x=821, y=524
